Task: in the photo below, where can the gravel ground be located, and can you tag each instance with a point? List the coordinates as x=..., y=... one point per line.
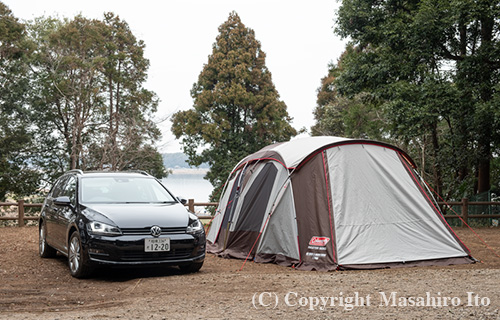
x=35, y=288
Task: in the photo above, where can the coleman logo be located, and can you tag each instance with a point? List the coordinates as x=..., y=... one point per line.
x=319, y=241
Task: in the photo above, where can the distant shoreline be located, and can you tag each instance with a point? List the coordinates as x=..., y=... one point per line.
x=196, y=171
x=189, y=183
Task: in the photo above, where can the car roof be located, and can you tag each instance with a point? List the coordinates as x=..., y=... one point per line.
x=93, y=174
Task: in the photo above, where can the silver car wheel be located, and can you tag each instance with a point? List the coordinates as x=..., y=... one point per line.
x=41, y=240
x=44, y=249
x=74, y=256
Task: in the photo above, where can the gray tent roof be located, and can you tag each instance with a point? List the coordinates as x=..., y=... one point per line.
x=293, y=153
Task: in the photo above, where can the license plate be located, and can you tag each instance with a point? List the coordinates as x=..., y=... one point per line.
x=157, y=245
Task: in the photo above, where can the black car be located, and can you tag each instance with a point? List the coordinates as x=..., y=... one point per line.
x=118, y=218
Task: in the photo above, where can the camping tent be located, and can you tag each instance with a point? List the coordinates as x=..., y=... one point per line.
x=326, y=203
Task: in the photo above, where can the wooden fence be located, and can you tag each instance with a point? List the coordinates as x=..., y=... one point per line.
x=464, y=213
x=191, y=204
x=21, y=205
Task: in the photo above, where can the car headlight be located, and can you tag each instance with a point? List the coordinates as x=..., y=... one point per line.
x=96, y=227
x=195, y=225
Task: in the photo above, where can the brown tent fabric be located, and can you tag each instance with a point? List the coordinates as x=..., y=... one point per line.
x=314, y=216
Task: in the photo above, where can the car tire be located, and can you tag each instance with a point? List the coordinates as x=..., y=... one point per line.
x=77, y=261
x=191, y=268
x=44, y=249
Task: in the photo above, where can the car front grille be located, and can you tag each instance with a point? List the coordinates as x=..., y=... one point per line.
x=147, y=231
x=157, y=256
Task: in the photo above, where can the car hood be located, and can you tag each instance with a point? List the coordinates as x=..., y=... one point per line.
x=141, y=215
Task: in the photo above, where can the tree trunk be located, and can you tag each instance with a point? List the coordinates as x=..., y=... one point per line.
x=438, y=179
x=486, y=75
x=115, y=153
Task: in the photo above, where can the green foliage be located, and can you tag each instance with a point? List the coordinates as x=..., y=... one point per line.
x=72, y=96
x=431, y=70
x=130, y=107
x=357, y=117
x=16, y=175
x=89, y=105
x=237, y=109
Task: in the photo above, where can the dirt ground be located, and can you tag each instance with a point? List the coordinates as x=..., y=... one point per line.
x=35, y=288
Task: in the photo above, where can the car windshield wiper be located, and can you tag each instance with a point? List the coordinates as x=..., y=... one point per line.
x=133, y=202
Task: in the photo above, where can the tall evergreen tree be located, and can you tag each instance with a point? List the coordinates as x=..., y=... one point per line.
x=237, y=110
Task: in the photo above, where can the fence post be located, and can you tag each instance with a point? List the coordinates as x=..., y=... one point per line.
x=465, y=211
x=20, y=209
x=191, y=205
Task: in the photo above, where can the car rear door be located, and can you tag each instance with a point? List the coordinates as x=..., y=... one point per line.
x=51, y=212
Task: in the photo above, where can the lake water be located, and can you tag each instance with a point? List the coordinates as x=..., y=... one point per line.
x=189, y=184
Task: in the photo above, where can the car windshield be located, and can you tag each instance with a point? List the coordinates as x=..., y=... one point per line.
x=123, y=190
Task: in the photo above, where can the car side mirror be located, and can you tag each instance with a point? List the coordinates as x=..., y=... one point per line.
x=182, y=200
x=62, y=201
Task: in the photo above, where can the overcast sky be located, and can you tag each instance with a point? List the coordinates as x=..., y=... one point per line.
x=297, y=37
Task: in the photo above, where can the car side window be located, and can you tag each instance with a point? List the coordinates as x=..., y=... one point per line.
x=58, y=187
x=69, y=189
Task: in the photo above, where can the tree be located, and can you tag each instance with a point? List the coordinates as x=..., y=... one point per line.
x=435, y=65
x=68, y=105
x=16, y=175
x=89, y=104
x=130, y=106
x=357, y=117
x=237, y=109
x=328, y=112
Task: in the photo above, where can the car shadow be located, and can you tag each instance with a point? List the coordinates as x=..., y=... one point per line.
x=123, y=274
